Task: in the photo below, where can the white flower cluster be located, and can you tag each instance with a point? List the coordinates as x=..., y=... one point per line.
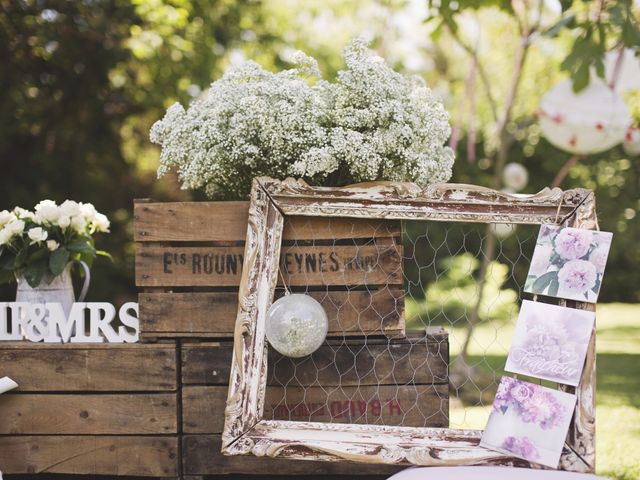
x=371, y=123
x=81, y=218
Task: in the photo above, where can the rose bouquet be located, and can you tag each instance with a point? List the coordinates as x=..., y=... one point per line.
x=40, y=244
x=568, y=263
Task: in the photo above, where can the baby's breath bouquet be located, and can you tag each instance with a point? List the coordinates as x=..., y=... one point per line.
x=372, y=123
x=40, y=244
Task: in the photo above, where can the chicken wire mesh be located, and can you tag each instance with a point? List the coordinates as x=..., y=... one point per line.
x=456, y=285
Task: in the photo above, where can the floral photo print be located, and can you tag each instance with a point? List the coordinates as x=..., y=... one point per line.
x=550, y=342
x=568, y=263
x=529, y=421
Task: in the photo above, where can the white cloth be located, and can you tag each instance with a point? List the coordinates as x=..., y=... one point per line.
x=488, y=473
x=7, y=384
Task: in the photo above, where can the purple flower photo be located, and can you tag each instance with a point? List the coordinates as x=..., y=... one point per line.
x=529, y=421
x=568, y=263
x=550, y=342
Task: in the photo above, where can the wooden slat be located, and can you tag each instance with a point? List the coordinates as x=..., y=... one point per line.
x=201, y=456
x=206, y=363
x=392, y=363
x=417, y=359
x=409, y=405
x=90, y=455
x=81, y=367
x=213, y=314
x=158, y=266
x=104, y=414
x=227, y=221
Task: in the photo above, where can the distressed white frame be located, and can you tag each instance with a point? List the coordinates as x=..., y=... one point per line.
x=245, y=430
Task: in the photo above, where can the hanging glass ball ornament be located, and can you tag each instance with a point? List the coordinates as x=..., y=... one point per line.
x=296, y=325
x=502, y=230
x=590, y=121
x=515, y=176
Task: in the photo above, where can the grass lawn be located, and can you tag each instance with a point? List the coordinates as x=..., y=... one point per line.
x=618, y=387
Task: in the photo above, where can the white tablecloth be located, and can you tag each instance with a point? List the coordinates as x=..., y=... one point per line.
x=488, y=473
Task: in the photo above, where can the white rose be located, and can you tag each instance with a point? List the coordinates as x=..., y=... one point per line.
x=52, y=245
x=16, y=227
x=88, y=211
x=22, y=213
x=48, y=211
x=6, y=217
x=79, y=224
x=5, y=236
x=101, y=223
x=64, y=221
x=37, y=234
x=69, y=208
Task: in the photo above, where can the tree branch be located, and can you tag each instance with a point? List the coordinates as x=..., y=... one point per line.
x=481, y=70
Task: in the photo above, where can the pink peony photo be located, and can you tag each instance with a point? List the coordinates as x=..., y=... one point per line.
x=529, y=421
x=568, y=263
x=550, y=342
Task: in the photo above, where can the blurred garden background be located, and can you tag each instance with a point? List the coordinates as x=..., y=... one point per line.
x=83, y=81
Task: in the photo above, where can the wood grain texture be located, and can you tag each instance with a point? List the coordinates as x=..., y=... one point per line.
x=408, y=405
x=418, y=359
x=215, y=266
x=201, y=456
x=90, y=455
x=89, y=368
x=212, y=314
x=90, y=414
x=227, y=222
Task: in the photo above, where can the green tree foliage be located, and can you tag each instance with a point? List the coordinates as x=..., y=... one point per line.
x=81, y=84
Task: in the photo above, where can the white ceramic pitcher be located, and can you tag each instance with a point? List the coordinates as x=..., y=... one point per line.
x=58, y=290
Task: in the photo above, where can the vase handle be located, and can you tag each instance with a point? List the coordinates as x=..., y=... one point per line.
x=87, y=280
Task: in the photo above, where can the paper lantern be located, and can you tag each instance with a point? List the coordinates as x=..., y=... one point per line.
x=591, y=121
x=631, y=143
x=502, y=230
x=515, y=176
x=296, y=325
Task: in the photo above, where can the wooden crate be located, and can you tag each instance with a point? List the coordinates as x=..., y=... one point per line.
x=402, y=381
x=101, y=409
x=189, y=262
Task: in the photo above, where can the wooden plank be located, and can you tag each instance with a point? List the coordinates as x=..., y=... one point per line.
x=213, y=314
x=217, y=266
x=417, y=359
x=227, y=221
x=408, y=405
x=391, y=363
x=104, y=414
x=90, y=455
x=201, y=456
x=84, y=367
x=206, y=363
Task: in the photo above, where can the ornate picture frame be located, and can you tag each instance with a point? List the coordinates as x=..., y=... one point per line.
x=245, y=430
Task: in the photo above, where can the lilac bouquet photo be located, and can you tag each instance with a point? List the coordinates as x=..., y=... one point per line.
x=529, y=421
x=550, y=342
x=568, y=263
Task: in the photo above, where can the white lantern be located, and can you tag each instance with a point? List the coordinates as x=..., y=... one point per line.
x=296, y=325
x=515, y=176
x=631, y=143
x=502, y=230
x=591, y=121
